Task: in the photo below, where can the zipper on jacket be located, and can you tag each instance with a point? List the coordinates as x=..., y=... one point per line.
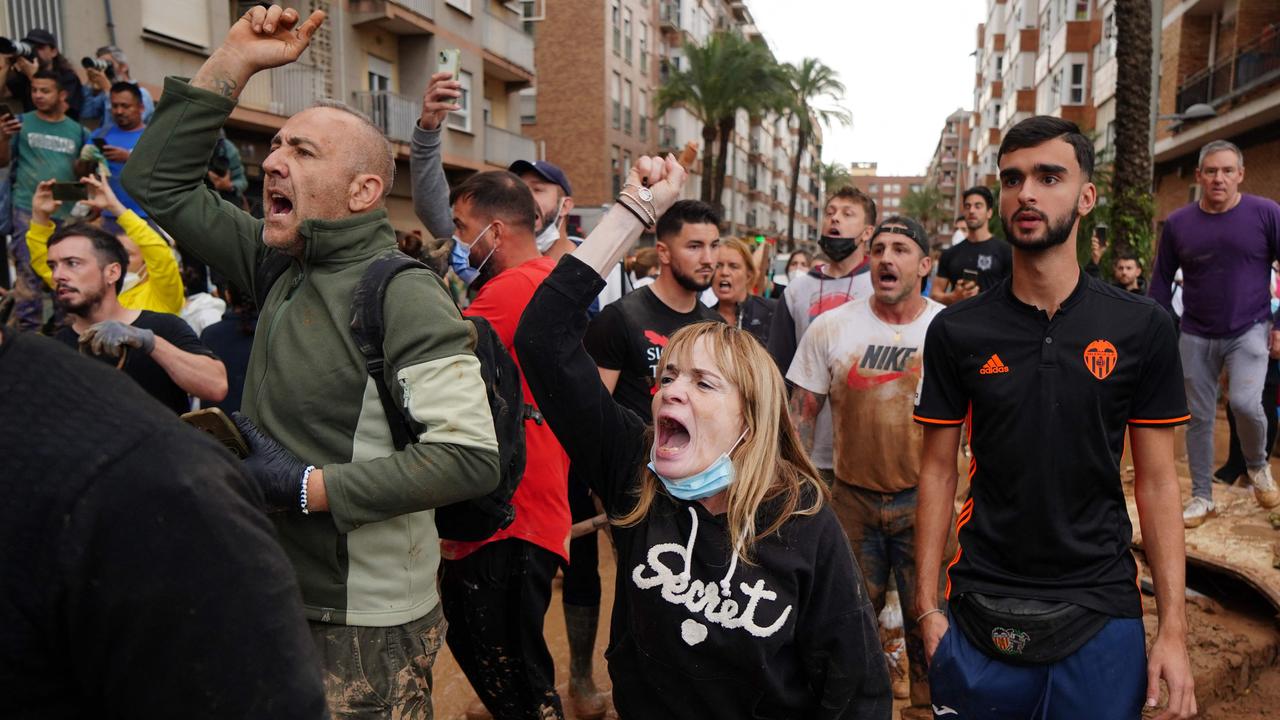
x=266, y=338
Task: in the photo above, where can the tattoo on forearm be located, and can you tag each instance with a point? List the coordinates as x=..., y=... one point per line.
x=805, y=406
x=226, y=87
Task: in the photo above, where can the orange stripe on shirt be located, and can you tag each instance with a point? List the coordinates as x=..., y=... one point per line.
x=1167, y=421
x=935, y=421
x=966, y=512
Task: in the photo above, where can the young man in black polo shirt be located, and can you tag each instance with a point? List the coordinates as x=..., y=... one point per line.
x=1052, y=366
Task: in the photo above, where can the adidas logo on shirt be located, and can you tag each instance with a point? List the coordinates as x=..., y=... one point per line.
x=994, y=366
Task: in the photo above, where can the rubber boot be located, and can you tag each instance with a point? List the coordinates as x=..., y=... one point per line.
x=585, y=700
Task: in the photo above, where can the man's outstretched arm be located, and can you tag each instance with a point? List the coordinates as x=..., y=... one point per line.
x=167, y=168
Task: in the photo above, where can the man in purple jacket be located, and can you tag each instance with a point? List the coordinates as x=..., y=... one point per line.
x=1225, y=245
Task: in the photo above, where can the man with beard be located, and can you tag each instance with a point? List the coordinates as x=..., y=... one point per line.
x=848, y=221
x=866, y=357
x=628, y=336
x=160, y=352
x=354, y=513
x=1052, y=367
x=1225, y=245
x=987, y=258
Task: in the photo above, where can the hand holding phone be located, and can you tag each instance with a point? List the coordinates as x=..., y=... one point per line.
x=70, y=191
x=449, y=60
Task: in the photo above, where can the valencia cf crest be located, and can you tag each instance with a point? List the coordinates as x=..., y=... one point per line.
x=1100, y=357
x=1009, y=641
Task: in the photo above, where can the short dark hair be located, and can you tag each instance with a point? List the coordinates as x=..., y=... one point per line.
x=105, y=245
x=1125, y=252
x=499, y=194
x=693, y=212
x=49, y=75
x=1038, y=130
x=982, y=192
x=122, y=86
x=854, y=195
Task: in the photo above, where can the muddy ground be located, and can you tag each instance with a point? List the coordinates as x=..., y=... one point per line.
x=1234, y=640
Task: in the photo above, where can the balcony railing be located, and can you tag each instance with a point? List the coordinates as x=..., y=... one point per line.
x=1253, y=65
x=395, y=114
x=284, y=90
x=669, y=15
x=503, y=147
x=508, y=42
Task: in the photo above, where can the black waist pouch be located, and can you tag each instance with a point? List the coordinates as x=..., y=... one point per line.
x=1025, y=632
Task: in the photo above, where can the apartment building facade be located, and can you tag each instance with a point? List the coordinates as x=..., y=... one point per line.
x=948, y=167
x=889, y=191
x=600, y=65
x=1038, y=57
x=1225, y=54
x=377, y=55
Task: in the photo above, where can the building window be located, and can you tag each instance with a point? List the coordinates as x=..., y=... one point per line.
x=378, y=77
x=626, y=36
x=999, y=67
x=615, y=164
x=461, y=119
x=873, y=188
x=615, y=91
x=1082, y=9
x=644, y=115
x=626, y=164
x=1077, y=84
x=626, y=108
x=615, y=16
x=644, y=47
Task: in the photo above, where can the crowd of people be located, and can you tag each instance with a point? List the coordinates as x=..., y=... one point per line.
x=775, y=454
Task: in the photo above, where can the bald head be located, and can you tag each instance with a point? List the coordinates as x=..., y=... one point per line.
x=373, y=152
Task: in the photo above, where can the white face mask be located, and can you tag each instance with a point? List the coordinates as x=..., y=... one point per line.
x=130, y=280
x=798, y=272
x=551, y=232
x=466, y=247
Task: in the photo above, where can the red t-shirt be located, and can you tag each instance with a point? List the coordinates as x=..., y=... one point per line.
x=542, y=498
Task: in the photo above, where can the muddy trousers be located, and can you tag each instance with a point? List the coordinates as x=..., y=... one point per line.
x=882, y=532
x=495, y=600
x=379, y=673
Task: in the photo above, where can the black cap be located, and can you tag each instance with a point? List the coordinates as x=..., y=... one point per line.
x=40, y=36
x=543, y=169
x=902, y=225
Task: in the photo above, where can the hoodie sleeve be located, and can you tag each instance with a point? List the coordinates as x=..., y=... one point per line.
x=430, y=188
x=165, y=175
x=430, y=351
x=840, y=636
x=603, y=439
x=162, y=267
x=38, y=246
x=782, y=334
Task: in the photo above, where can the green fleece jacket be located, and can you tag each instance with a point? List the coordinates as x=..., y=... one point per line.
x=372, y=559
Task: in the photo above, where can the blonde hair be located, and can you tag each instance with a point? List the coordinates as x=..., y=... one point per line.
x=744, y=250
x=770, y=465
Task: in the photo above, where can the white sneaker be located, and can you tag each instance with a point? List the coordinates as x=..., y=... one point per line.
x=1197, y=511
x=1264, y=487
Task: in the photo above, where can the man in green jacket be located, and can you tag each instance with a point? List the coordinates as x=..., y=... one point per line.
x=354, y=515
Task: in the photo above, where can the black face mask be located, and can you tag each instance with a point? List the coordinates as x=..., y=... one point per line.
x=837, y=248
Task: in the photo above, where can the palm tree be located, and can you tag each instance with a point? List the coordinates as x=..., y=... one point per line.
x=725, y=74
x=926, y=207
x=1131, y=207
x=811, y=81
x=836, y=175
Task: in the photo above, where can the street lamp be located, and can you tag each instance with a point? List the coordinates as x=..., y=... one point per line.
x=1199, y=111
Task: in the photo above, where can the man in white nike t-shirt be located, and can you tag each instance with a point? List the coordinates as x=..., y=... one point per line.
x=866, y=356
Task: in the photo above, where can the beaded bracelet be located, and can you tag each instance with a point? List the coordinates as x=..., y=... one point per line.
x=306, y=475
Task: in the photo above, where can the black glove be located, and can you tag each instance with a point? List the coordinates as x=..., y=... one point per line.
x=276, y=470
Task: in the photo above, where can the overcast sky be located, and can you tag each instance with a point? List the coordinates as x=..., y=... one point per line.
x=905, y=65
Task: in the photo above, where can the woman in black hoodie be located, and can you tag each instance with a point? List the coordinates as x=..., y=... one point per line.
x=737, y=595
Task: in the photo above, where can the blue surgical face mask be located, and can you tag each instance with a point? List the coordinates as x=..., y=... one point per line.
x=466, y=248
x=716, y=477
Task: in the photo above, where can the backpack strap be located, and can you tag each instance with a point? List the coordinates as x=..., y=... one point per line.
x=368, y=331
x=269, y=269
